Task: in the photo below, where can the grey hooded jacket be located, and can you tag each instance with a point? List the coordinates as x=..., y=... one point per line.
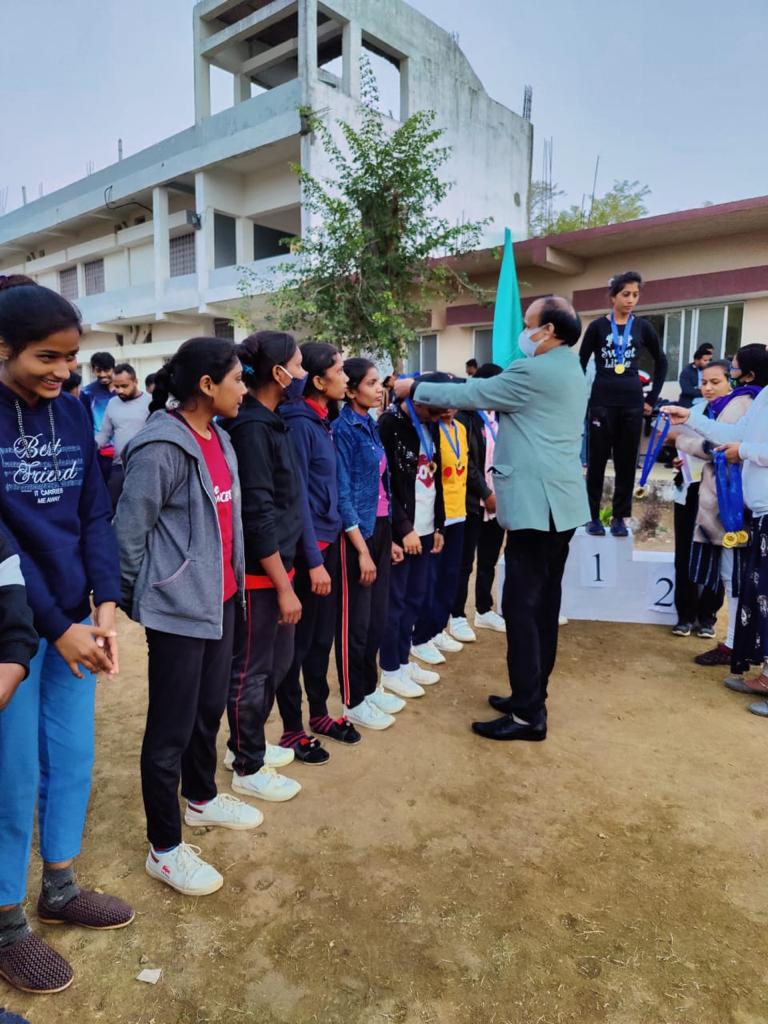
x=166, y=522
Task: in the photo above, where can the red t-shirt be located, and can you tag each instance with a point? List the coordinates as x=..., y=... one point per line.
x=221, y=479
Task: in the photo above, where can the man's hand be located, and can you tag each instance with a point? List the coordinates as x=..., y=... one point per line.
x=412, y=543
x=398, y=555
x=438, y=543
x=104, y=617
x=402, y=388
x=79, y=645
x=290, y=607
x=731, y=451
x=10, y=678
x=367, y=570
x=320, y=580
x=490, y=502
x=677, y=414
x=647, y=409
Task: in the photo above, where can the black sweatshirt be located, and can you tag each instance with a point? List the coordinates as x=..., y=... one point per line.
x=477, y=488
x=18, y=639
x=402, y=445
x=611, y=388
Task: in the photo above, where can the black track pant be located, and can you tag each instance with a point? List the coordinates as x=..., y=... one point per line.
x=693, y=603
x=485, y=539
x=614, y=432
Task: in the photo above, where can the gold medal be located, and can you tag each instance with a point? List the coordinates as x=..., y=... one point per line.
x=730, y=540
x=640, y=492
x=432, y=468
x=619, y=368
x=460, y=467
x=742, y=537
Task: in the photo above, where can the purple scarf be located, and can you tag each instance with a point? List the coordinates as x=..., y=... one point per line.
x=717, y=405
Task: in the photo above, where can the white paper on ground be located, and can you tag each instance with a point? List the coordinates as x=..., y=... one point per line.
x=150, y=974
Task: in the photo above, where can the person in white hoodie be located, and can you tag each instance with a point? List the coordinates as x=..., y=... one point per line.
x=745, y=441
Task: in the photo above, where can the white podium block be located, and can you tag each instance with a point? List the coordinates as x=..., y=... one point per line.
x=607, y=580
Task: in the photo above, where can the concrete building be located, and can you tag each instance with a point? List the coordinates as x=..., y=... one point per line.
x=151, y=248
x=705, y=273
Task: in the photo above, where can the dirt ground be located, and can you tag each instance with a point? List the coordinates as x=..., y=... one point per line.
x=611, y=874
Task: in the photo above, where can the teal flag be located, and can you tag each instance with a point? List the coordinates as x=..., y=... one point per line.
x=508, y=314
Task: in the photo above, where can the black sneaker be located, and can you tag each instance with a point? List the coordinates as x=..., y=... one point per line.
x=595, y=528
x=682, y=629
x=618, y=528
x=705, y=632
x=310, y=751
x=343, y=731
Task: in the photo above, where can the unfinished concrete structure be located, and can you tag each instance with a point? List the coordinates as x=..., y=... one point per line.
x=152, y=247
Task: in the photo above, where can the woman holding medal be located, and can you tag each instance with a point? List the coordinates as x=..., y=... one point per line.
x=744, y=442
x=616, y=404
x=418, y=514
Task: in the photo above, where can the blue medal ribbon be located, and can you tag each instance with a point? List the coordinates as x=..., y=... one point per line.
x=453, y=441
x=427, y=443
x=659, y=433
x=493, y=427
x=620, y=341
x=730, y=497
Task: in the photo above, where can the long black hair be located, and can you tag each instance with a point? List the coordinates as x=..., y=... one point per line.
x=317, y=358
x=261, y=352
x=196, y=358
x=29, y=312
x=754, y=359
x=356, y=368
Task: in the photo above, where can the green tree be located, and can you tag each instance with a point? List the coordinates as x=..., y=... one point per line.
x=624, y=201
x=364, y=275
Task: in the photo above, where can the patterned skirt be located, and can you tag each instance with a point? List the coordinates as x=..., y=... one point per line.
x=750, y=646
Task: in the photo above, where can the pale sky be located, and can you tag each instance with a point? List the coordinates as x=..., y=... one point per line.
x=672, y=92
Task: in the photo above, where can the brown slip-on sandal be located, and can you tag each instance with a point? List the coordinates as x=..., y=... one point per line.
x=30, y=965
x=88, y=910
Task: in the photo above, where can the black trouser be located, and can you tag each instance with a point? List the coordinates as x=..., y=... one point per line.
x=263, y=652
x=105, y=465
x=535, y=561
x=115, y=484
x=188, y=684
x=443, y=582
x=485, y=538
x=614, y=432
x=693, y=603
x=362, y=615
x=313, y=640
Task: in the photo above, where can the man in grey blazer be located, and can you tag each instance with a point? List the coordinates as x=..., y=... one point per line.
x=540, y=497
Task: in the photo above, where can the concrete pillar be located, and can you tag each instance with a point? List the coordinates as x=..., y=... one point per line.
x=351, y=46
x=307, y=49
x=161, y=243
x=244, y=241
x=204, y=241
x=202, y=72
x=242, y=89
x=80, y=268
x=405, y=89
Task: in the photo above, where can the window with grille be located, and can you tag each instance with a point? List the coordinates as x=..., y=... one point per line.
x=183, y=255
x=224, y=329
x=94, y=277
x=68, y=282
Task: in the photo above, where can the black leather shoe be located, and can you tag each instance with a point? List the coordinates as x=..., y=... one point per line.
x=504, y=705
x=507, y=728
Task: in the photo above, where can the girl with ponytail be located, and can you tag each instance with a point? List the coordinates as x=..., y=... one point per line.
x=56, y=512
x=272, y=526
x=181, y=556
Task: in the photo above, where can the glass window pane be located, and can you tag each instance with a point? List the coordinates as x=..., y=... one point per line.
x=224, y=254
x=672, y=337
x=68, y=282
x=413, y=359
x=428, y=352
x=711, y=323
x=224, y=329
x=483, y=346
x=94, y=277
x=733, y=328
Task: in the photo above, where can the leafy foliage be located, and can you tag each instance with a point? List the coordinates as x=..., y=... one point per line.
x=624, y=201
x=364, y=274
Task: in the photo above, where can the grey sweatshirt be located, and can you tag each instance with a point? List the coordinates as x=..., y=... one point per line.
x=122, y=422
x=168, y=531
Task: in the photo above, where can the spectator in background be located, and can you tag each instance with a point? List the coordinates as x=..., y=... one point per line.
x=690, y=378
x=72, y=386
x=125, y=415
x=95, y=397
x=149, y=383
x=471, y=367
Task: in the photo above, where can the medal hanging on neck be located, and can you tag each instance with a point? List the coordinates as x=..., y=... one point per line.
x=427, y=443
x=455, y=445
x=620, y=342
x=730, y=500
x=655, y=444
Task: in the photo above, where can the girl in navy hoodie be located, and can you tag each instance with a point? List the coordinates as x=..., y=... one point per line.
x=55, y=506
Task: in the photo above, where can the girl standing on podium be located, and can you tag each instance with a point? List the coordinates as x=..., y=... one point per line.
x=616, y=404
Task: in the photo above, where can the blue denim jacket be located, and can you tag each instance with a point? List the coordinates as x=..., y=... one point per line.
x=358, y=452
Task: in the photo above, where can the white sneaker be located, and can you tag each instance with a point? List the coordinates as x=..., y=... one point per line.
x=275, y=757
x=225, y=811
x=400, y=682
x=419, y=675
x=266, y=784
x=562, y=620
x=184, y=870
x=427, y=653
x=461, y=630
x=386, y=702
x=369, y=716
x=444, y=642
x=490, y=620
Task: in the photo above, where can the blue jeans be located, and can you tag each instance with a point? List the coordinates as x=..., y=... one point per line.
x=46, y=758
x=443, y=584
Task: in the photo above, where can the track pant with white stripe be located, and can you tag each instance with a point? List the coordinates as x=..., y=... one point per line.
x=362, y=615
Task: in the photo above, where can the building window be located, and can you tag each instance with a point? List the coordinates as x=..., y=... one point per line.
x=183, y=255
x=224, y=243
x=483, y=352
x=268, y=242
x=422, y=354
x=68, y=283
x=224, y=329
x=94, y=277
x=683, y=330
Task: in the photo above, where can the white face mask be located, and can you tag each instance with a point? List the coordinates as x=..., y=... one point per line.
x=526, y=344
